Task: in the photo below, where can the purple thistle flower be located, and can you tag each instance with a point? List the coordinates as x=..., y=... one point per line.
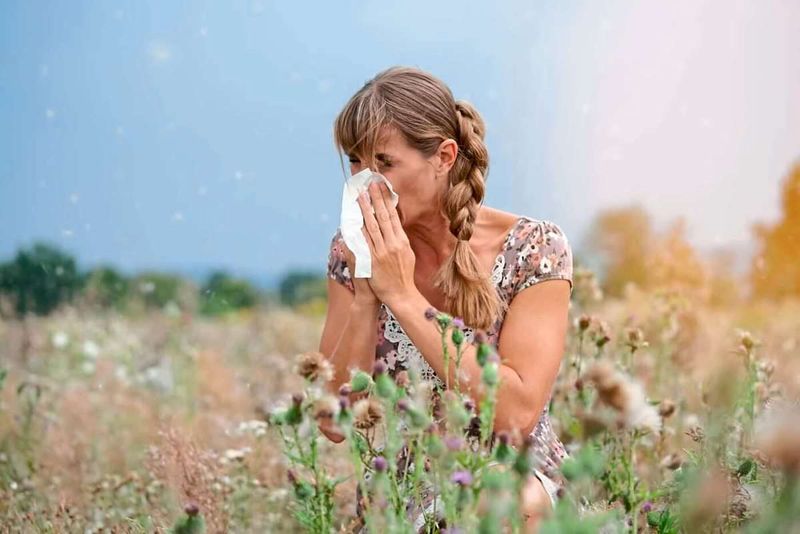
x=379, y=463
x=430, y=314
x=462, y=478
x=647, y=506
x=458, y=322
x=453, y=443
x=378, y=367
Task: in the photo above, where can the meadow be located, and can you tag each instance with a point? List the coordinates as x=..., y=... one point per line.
x=167, y=420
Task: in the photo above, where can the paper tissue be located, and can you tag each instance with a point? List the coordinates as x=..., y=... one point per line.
x=352, y=220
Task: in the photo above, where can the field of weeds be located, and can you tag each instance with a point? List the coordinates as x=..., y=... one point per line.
x=123, y=424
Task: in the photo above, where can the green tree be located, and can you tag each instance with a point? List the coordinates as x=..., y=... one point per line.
x=107, y=287
x=223, y=293
x=37, y=281
x=301, y=287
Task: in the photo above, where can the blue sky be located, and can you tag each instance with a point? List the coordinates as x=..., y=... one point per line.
x=198, y=134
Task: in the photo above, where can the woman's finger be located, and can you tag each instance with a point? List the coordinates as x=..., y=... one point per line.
x=394, y=217
x=371, y=224
x=381, y=212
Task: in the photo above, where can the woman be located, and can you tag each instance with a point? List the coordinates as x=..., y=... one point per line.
x=442, y=248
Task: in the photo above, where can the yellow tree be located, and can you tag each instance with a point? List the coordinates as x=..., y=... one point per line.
x=775, y=271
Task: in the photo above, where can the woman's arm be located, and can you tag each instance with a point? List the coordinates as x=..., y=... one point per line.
x=531, y=347
x=348, y=340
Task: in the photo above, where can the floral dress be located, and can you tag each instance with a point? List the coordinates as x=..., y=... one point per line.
x=534, y=251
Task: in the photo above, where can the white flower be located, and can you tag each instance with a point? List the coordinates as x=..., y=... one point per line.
x=256, y=427
x=60, y=339
x=91, y=349
x=234, y=454
x=545, y=265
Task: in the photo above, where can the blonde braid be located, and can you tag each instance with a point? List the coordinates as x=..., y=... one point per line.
x=469, y=293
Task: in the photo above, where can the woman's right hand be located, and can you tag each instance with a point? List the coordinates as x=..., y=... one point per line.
x=364, y=293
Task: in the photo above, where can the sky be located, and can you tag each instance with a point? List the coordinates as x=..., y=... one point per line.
x=198, y=135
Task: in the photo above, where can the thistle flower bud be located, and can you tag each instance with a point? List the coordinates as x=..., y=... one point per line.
x=457, y=336
x=490, y=375
x=430, y=314
x=443, y=319
x=360, y=382
x=345, y=390
x=379, y=367
x=480, y=337
x=483, y=353
x=192, y=509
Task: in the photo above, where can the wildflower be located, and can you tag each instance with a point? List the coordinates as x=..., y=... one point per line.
x=367, y=413
x=747, y=341
x=380, y=464
x=258, y=428
x=583, y=322
x=778, y=431
x=480, y=337
x=671, y=461
x=696, y=433
x=453, y=443
x=402, y=379
x=635, y=339
x=457, y=336
x=60, y=340
x=345, y=390
x=624, y=395
x=379, y=367
x=462, y=477
x=234, y=455
x=458, y=322
x=666, y=408
x=430, y=314
x=325, y=407
x=192, y=509
x=313, y=366
x=647, y=506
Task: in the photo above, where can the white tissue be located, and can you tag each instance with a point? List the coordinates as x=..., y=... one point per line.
x=352, y=220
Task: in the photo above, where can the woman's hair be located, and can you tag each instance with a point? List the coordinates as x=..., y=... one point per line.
x=422, y=108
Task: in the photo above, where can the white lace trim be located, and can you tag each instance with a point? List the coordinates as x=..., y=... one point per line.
x=407, y=352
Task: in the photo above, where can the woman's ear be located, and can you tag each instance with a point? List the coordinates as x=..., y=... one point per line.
x=447, y=153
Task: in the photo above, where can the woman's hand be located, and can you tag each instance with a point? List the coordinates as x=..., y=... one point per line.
x=364, y=293
x=392, y=258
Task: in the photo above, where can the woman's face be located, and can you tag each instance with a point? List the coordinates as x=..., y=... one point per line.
x=411, y=174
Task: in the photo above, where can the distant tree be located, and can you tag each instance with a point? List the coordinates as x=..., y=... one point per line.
x=222, y=293
x=301, y=287
x=107, y=287
x=674, y=264
x=621, y=239
x=37, y=281
x=156, y=290
x=775, y=271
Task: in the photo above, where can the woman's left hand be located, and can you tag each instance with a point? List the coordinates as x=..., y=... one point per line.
x=392, y=258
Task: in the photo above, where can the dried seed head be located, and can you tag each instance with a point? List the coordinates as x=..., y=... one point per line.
x=666, y=408
x=367, y=413
x=624, y=395
x=583, y=322
x=313, y=366
x=402, y=379
x=325, y=407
